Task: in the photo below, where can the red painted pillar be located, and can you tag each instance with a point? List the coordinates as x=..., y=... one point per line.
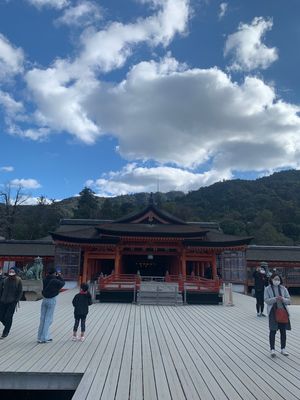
x=214, y=266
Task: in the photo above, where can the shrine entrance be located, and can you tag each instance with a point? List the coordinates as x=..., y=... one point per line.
x=148, y=265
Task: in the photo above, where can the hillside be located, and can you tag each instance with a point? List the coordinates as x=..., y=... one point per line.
x=267, y=209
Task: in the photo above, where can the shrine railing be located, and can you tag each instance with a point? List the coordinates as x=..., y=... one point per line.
x=132, y=282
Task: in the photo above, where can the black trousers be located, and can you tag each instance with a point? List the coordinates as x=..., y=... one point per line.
x=260, y=302
x=282, y=337
x=6, y=316
x=81, y=319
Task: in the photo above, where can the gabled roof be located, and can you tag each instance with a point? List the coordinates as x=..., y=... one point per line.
x=139, y=229
x=149, y=222
x=151, y=214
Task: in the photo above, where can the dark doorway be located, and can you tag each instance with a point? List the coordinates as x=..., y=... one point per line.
x=147, y=265
x=103, y=266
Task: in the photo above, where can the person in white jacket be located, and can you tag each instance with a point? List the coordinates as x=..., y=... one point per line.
x=277, y=296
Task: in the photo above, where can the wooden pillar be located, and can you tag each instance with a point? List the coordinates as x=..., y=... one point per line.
x=183, y=264
x=214, y=266
x=117, y=261
x=202, y=269
x=85, y=267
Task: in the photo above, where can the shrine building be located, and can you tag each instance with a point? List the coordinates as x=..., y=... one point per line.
x=149, y=246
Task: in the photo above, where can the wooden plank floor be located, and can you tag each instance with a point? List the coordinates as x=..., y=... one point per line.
x=159, y=352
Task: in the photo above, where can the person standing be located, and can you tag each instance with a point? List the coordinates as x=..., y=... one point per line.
x=260, y=282
x=81, y=303
x=277, y=297
x=52, y=285
x=11, y=291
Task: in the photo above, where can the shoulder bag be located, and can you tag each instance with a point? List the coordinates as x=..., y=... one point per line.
x=281, y=314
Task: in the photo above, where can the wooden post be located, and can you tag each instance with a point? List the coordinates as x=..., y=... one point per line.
x=85, y=267
x=214, y=266
x=117, y=261
x=183, y=264
x=202, y=269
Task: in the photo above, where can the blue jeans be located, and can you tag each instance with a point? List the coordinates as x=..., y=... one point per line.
x=47, y=311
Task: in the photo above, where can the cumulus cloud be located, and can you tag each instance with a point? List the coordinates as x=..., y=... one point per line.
x=82, y=14
x=25, y=183
x=7, y=168
x=134, y=179
x=109, y=49
x=191, y=116
x=58, y=4
x=246, y=48
x=11, y=58
x=11, y=106
x=223, y=10
x=62, y=90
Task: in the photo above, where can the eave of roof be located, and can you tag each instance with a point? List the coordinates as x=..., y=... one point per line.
x=153, y=230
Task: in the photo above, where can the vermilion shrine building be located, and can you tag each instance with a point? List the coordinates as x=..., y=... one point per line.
x=149, y=245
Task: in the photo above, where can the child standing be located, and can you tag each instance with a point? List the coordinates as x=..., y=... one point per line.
x=81, y=303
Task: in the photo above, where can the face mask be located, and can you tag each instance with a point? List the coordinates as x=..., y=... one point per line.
x=276, y=282
x=262, y=271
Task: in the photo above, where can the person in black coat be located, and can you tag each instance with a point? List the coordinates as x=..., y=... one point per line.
x=260, y=282
x=81, y=303
x=52, y=285
x=11, y=291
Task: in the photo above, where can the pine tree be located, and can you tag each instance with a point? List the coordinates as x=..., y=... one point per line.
x=87, y=207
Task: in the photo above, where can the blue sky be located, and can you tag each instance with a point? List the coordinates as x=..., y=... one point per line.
x=128, y=96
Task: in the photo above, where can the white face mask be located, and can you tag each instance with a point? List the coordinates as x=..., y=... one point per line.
x=262, y=271
x=276, y=282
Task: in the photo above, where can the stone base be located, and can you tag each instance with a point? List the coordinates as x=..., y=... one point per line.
x=32, y=289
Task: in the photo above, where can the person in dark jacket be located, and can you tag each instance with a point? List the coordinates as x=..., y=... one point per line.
x=81, y=303
x=11, y=291
x=52, y=285
x=260, y=282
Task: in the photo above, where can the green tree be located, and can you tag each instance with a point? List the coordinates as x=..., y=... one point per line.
x=268, y=235
x=87, y=207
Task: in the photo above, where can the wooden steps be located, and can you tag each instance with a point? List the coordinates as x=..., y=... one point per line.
x=159, y=293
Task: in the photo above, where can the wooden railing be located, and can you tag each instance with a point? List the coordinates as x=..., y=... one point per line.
x=132, y=282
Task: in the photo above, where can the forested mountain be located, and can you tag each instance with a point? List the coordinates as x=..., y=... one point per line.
x=267, y=209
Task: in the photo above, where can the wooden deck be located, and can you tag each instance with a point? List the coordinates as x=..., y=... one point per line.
x=156, y=352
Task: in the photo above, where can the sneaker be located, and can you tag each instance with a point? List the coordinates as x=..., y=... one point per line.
x=49, y=341
x=284, y=352
x=82, y=338
x=273, y=354
x=262, y=315
x=40, y=341
x=74, y=338
x=258, y=314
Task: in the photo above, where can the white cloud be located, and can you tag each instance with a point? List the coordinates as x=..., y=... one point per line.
x=25, y=183
x=82, y=14
x=223, y=10
x=58, y=4
x=189, y=117
x=62, y=90
x=11, y=106
x=7, y=169
x=246, y=47
x=134, y=179
x=11, y=58
x=109, y=49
